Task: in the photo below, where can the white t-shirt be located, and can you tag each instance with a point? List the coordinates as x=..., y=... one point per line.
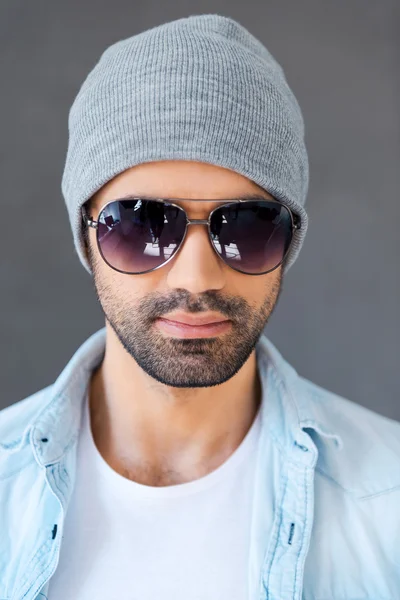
x=125, y=540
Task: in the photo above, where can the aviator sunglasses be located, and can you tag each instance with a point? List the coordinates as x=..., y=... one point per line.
x=136, y=235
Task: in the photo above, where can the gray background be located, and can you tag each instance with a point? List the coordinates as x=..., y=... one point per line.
x=337, y=320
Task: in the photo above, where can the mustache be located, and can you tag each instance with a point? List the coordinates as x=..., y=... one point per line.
x=155, y=305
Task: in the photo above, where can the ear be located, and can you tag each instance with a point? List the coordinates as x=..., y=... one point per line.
x=85, y=231
x=85, y=237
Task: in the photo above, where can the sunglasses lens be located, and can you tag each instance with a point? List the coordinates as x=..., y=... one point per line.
x=135, y=236
x=252, y=237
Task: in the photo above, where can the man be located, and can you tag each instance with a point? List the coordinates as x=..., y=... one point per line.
x=178, y=455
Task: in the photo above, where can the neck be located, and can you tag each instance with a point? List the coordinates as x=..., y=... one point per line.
x=159, y=435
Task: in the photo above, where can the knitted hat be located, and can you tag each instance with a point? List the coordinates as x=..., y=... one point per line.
x=198, y=88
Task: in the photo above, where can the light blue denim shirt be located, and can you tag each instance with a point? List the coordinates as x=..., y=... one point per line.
x=326, y=521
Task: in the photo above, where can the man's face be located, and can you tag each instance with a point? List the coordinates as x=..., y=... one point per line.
x=195, y=280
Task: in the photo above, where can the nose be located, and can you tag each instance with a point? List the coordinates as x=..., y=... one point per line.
x=196, y=266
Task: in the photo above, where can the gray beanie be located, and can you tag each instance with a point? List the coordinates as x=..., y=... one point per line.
x=198, y=88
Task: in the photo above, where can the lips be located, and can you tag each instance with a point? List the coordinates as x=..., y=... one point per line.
x=193, y=320
x=183, y=330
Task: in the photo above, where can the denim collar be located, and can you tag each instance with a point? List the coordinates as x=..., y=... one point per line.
x=284, y=410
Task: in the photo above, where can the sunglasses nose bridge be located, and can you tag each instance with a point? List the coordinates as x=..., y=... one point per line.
x=197, y=221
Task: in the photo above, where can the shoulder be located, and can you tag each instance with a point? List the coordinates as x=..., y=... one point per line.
x=16, y=418
x=358, y=448
x=357, y=498
x=341, y=412
x=366, y=462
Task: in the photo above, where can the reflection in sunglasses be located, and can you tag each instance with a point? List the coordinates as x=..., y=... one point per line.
x=230, y=251
x=157, y=250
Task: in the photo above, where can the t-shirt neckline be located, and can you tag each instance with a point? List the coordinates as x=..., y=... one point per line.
x=134, y=489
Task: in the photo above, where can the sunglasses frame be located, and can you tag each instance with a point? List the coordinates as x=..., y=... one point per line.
x=90, y=222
